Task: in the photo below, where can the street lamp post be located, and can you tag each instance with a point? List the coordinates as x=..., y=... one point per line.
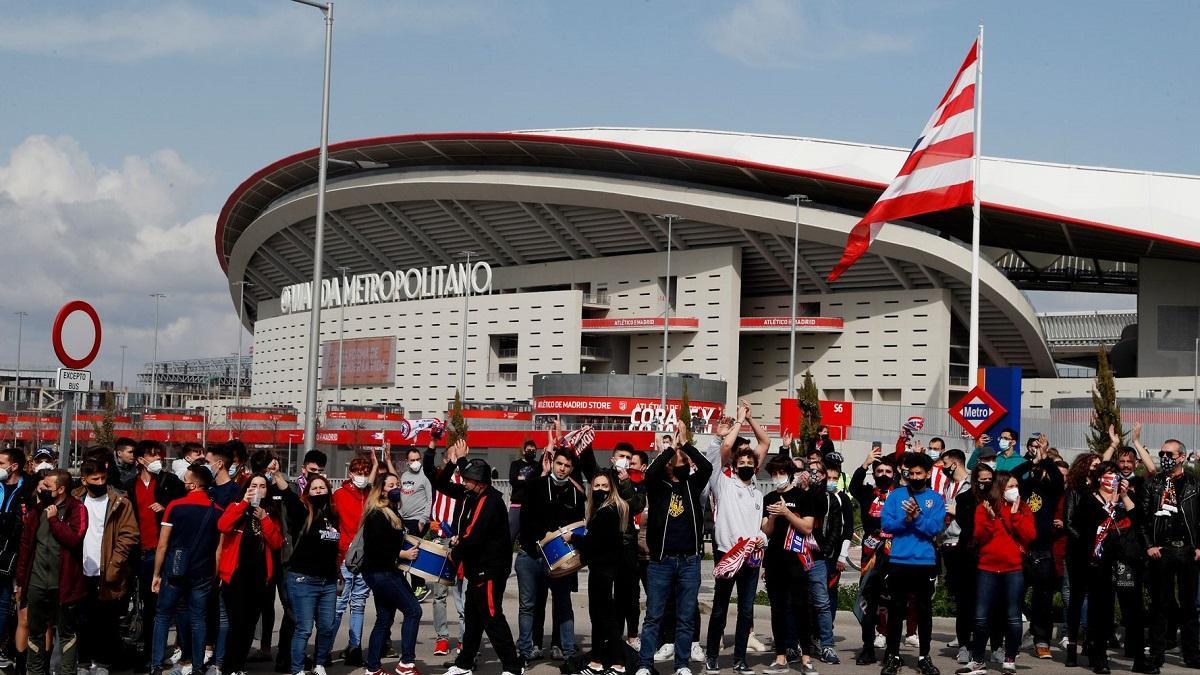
x=17, y=384
x=795, y=266
x=462, y=357
x=123, y=392
x=314, y=322
x=241, y=313
x=341, y=323
x=670, y=218
x=154, y=368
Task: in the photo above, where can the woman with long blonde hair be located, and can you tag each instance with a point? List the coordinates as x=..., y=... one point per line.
x=603, y=549
x=383, y=549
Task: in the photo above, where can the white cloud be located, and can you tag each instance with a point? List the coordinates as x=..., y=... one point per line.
x=147, y=30
x=111, y=236
x=794, y=34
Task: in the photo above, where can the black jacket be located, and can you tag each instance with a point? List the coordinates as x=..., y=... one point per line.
x=603, y=546
x=484, y=545
x=658, y=495
x=1150, y=527
x=12, y=510
x=547, y=507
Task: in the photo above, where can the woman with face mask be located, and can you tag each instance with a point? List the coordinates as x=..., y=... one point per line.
x=1079, y=487
x=312, y=571
x=521, y=473
x=1003, y=529
x=982, y=477
x=604, y=552
x=384, y=548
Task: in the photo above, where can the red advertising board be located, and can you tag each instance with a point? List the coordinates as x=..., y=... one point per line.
x=837, y=415
x=811, y=324
x=367, y=362
x=634, y=323
x=605, y=405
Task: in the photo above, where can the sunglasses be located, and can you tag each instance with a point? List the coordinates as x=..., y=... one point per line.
x=1167, y=455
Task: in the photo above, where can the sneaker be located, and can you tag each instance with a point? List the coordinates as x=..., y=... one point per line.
x=83, y=671
x=741, y=668
x=185, y=669
x=640, y=671
x=176, y=656
x=556, y=654
x=925, y=666
x=683, y=671
x=912, y=641
x=407, y=669
x=808, y=668
x=829, y=655
x=865, y=656
x=455, y=670
x=972, y=668
x=535, y=655
x=665, y=653
x=754, y=645
x=891, y=665
x=998, y=656
x=711, y=666
x=953, y=644
x=442, y=647
x=1042, y=651
x=1066, y=641
x=214, y=670
x=1009, y=667
x=5, y=662
x=318, y=670
x=208, y=654
x=635, y=643
x=421, y=592
x=964, y=656
x=880, y=641
x=776, y=668
x=353, y=657
x=697, y=653
x=99, y=670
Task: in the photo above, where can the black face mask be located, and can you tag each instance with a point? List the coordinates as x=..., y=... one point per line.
x=883, y=482
x=599, y=497
x=916, y=485
x=45, y=496
x=318, y=501
x=395, y=494
x=984, y=486
x=746, y=472
x=97, y=490
x=528, y=455
x=682, y=472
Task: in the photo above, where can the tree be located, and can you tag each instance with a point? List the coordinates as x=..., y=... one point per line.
x=809, y=403
x=458, y=424
x=685, y=412
x=105, y=431
x=1105, y=411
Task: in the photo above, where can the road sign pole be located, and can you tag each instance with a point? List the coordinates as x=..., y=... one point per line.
x=64, y=430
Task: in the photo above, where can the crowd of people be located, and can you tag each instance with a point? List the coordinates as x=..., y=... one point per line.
x=191, y=560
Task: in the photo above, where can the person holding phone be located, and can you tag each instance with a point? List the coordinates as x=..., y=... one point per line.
x=871, y=500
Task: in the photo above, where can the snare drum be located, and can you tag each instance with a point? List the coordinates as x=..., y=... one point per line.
x=432, y=563
x=561, y=557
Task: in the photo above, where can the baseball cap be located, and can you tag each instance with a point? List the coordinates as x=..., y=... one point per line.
x=45, y=453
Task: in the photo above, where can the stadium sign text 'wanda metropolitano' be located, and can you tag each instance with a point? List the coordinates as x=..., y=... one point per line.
x=411, y=284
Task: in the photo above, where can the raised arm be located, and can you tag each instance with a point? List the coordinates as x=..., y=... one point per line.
x=760, y=435
x=1114, y=442
x=1143, y=453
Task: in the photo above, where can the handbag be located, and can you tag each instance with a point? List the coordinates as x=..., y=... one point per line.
x=178, y=561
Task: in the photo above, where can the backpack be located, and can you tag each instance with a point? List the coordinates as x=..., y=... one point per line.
x=355, y=555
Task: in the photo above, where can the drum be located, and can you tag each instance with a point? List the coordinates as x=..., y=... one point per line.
x=432, y=563
x=561, y=557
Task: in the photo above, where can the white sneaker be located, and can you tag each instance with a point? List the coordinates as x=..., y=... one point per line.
x=214, y=670
x=176, y=656
x=880, y=641
x=317, y=670
x=697, y=653
x=664, y=653
x=972, y=668
x=964, y=655
x=208, y=654
x=640, y=671
x=635, y=643
x=684, y=671
x=755, y=645
x=1009, y=667
x=185, y=669
x=912, y=641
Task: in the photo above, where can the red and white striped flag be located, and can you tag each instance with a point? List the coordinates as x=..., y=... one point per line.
x=938, y=173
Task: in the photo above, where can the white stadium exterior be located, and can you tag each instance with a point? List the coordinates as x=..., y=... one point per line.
x=569, y=256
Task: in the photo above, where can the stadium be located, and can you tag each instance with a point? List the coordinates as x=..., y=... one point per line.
x=556, y=248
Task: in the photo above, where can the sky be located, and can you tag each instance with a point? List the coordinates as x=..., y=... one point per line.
x=126, y=124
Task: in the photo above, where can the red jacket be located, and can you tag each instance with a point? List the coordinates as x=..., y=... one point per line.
x=68, y=527
x=348, y=502
x=230, y=526
x=1002, y=540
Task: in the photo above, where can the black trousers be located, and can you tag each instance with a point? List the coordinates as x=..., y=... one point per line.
x=484, y=613
x=1175, y=572
x=149, y=601
x=629, y=596
x=907, y=584
x=1043, y=581
x=244, y=599
x=1078, y=571
x=607, y=645
x=44, y=612
x=787, y=592
x=99, y=622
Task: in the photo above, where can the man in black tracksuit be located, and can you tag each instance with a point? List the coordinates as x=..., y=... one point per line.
x=483, y=546
x=674, y=482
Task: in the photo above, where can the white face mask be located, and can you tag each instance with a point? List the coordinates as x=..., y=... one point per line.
x=179, y=467
x=781, y=482
x=3, y=475
x=622, y=463
x=42, y=466
x=359, y=482
x=1011, y=495
x=414, y=467
x=233, y=469
x=991, y=465
x=1005, y=444
x=154, y=467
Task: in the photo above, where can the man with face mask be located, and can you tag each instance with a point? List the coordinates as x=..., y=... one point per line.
x=415, y=505
x=44, y=461
x=521, y=472
x=482, y=547
x=348, y=502
x=871, y=499
x=737, y=505
x=152, y=490
x=16, y=498
x=110, y=547
x=50, y=571
x=552, y=501
x=1169, y=529
x=189, y=454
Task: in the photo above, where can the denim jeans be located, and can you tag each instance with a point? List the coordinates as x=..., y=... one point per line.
x=818, y=595
x=532, y=576
x=746, y=581
x=998, y=587
x=171, y=594
x=681, y=572
x=354, y=594
x=392, y=593
x=6, y=598
x=313, y=600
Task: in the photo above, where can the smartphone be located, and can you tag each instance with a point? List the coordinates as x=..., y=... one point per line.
x=876, y=445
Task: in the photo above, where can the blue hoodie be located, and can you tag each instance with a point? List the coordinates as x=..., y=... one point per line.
x=912, y=542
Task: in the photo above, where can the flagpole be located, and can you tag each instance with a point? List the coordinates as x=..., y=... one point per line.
x=973, y=345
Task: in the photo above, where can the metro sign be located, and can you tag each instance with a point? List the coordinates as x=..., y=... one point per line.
x=977, y=411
